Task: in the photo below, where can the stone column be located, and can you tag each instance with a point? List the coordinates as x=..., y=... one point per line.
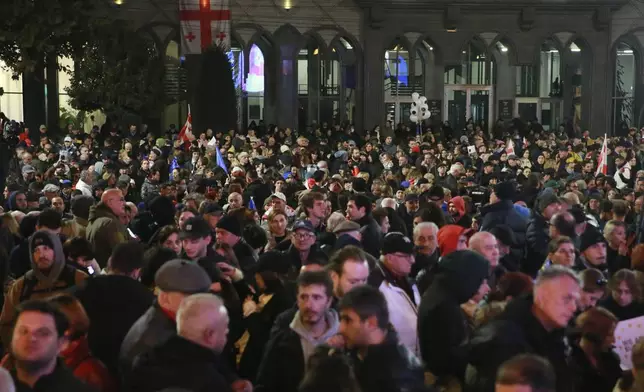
x=374, y=100
x=33, y=96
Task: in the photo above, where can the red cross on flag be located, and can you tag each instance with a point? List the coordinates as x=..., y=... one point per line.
x=203, y=23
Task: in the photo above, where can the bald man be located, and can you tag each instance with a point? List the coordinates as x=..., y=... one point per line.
x=192, y=359
x=486, y=244
x=105, y=229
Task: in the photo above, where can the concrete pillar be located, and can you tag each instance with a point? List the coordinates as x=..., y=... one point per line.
x=374, y=100
x=287, y=87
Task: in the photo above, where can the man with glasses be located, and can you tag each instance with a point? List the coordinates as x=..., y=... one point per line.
x=390, y=276
x=105, y=229
x=303, y=249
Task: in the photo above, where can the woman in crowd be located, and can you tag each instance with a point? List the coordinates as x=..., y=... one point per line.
x=595, y=366
x=625, y=296
x=277, y=231
x=168, y=237
x=561, y=251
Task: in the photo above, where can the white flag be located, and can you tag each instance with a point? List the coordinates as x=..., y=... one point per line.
x=203, y=23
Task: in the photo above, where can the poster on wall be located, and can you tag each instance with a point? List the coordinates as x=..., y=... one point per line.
x=506, y=107
x=435, y=107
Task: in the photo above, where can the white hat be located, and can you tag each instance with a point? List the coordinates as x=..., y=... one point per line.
x=51, y=188
x=68, y=139
x=237, y=169
x=279, y=195
x=285, y=148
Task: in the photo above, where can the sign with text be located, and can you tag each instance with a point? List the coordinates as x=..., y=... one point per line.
x=506, y=107
x=627, y=333
x=434, y=106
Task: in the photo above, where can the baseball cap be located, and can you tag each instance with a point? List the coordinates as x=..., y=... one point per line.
x=28, y=169
x=304, y=225
x=513, y=157
x=279, y=195
x=182, y=276
x=195, y=227
x=67, y=139
x=396, y=242
x=42, y=127
x=411, y=197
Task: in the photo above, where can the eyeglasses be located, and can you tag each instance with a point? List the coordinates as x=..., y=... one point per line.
x=303, y=236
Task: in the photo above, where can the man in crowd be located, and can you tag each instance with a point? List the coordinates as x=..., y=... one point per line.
x=592, y=249
x=20, y=261
x=527, y=373
x=229, y=235
x=116, y=292
x=314, y=206
x=348, y=268
x=359, y=211
x=105, y=229
x=288, y=350
x=175, y=280
x=537, y=237
x=534, y=324
x=391, y=277
x=303, y=249
x=381, y=362
x=49, y=274
x=38, y=339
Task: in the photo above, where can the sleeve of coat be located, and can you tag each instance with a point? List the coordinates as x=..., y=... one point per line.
x=11, y=301
x=268, y=372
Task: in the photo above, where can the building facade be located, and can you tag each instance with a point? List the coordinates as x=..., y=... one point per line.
x=298, y=62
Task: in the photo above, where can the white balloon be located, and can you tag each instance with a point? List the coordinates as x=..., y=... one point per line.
x=415, y=96
x=423, y=99
x=413, y=118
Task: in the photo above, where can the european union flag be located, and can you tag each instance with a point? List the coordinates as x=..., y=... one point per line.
x=251, y=204
x=173, y=165
x=220, y=160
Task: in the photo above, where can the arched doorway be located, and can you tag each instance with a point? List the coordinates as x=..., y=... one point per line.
x=397, y=84
x=624, y=81
x=309, y=71
x=255, y=85
x=539, y=93
x=576, y=88
x=469, y=86
x=174, y=84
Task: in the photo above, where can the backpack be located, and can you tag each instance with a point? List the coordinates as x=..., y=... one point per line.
x=67, y=275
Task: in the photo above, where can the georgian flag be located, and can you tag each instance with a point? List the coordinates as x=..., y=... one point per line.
x=204, y=23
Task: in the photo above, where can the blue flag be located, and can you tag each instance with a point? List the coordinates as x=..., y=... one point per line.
x=173, y=165
x=220, y=160
x=251, y=204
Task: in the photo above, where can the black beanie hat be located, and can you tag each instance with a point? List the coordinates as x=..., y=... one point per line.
x=81, y=205
x=590, y=237
x=41, y=238
x=230, y=224
x=505, y=190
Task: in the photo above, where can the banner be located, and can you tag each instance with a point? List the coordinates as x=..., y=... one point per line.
x=627, y=333
x=202, y=23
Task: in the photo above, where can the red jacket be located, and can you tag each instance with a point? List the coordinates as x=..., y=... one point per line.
x=85, y=367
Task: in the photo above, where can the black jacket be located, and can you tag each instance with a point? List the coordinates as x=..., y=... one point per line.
x=443, y=328
x=635, y=309
x=246, y=256
x=282, y=366
x=516, y=331
x=259, y=191
x=616, y=261
x=588, y=378
x=371, y=235
x=537, y=239
x=60, y=380
x=151, y=330
x=179, y=364
x=389, y=367
x=113, y=304
x=503, y=213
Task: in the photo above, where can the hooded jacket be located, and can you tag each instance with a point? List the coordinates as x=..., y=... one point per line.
x=504, y=213
x=104, y=232
x=463, y=219
x=38, y=284
x=283, y=365
x=448, y=237
x=442, y=325
x=12, y=200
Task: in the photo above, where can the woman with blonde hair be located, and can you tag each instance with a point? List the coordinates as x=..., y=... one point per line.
x=277, y=231
x=10, y=222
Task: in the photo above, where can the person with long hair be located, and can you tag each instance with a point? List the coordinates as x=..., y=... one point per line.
x=277, y=229
x=625, y=296
x=168, y=237
x=593, y=363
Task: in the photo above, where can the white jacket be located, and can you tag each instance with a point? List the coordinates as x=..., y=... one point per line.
x=84, y=188
x=403, y=312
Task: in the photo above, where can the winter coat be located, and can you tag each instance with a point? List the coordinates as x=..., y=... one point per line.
x=515, y=331
x=503, y=213
x=152, y=329
x=633, y=310
x=36, y=285
x=389, y=367
x=179, y=364
x=587, y=378
x=60, y=380
x=283, y=364
x=402, y=303
x=442, y=325
x=104, y=232
x=86, y=367
x=371, y=235
x=536, y=240
x=76, y=227
x=150, y=189
x=103, y=297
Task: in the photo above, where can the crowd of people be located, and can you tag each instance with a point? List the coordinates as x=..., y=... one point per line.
x=321, y=260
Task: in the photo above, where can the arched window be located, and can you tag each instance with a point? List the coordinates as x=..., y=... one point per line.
x=309, y=78
x=576, y=64
x=624, y=89
x=476, y=66
x=550, y=83
x=396, y=82
x=255, y=84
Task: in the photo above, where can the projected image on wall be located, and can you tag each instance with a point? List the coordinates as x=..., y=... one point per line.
x=255, y=80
